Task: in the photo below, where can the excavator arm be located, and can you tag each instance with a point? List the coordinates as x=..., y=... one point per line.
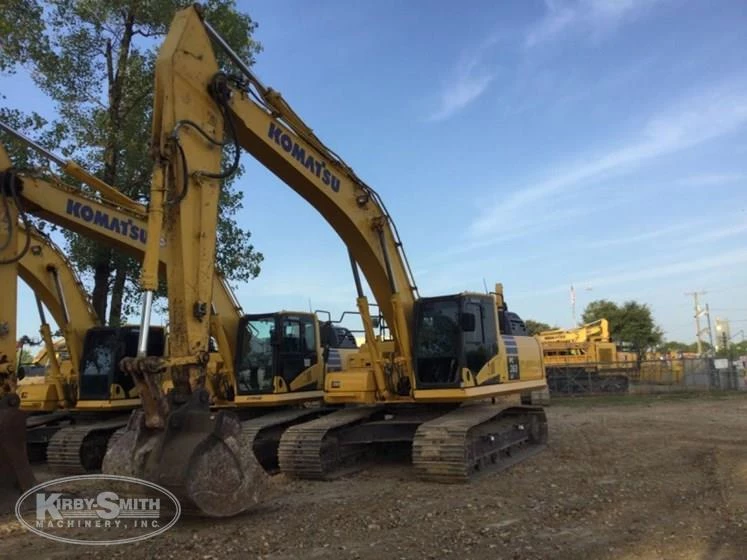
x=194, y=105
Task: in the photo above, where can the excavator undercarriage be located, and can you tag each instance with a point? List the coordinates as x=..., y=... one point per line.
x=448, y=444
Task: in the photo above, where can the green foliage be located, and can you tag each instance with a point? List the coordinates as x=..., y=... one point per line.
x=25, y=357
x=536, y=327
x=95, y=60
x=675, y=346
x=631, y=324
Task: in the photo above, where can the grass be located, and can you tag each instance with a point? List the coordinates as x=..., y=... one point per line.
x=628, y=400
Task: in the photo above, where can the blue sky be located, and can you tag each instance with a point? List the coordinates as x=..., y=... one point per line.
x=539, y=144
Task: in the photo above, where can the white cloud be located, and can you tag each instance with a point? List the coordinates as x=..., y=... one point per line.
x=457, y=95
x=644, y=236
x=688, y=265
x=710, y=179
x=720, y=233
x=468, y=81
x=693, y=121
x=595, y=17
x=729, y=258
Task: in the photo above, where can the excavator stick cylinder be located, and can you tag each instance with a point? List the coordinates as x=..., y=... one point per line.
x=16, y=475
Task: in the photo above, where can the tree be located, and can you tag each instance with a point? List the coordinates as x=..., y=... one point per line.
x=631, y=324
x=536, y=327
x=95, y=60
x=675, y=346
x=25, y=357
x=600, y=309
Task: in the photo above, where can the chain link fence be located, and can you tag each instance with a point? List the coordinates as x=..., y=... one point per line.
x=651, y=376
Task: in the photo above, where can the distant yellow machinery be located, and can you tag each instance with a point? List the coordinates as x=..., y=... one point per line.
x=450, y=382
x=585, y=359
x=36, y=369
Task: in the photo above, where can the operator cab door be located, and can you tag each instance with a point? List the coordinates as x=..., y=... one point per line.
x=297, y=348
x=103, y=348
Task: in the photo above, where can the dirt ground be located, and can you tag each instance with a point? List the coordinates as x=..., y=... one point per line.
x=637, y=477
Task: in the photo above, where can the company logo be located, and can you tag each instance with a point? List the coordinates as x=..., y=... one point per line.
x=314, y=166
x=98, y=509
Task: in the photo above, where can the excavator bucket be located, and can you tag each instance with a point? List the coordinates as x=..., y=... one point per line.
x=199, y=456
x=15, y=471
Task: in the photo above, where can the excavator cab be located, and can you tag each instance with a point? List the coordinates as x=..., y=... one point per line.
x=452, y=333
x=277, y=351
x=101, y=378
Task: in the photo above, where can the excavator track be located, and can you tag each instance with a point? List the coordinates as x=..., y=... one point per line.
x=312, y=450
x=476, y=439
x=264, y=432
x=81, y=449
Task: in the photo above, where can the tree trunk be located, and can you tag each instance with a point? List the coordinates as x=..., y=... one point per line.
x=103, y=267
x=115, y=311
x=101, y=288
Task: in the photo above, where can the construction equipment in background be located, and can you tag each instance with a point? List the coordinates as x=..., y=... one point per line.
x=36, y=369
x=585, y=360
x=114, y=220
x=444, y=352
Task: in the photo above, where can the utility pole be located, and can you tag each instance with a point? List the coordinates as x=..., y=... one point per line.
x=710, y=332
x=698, y=312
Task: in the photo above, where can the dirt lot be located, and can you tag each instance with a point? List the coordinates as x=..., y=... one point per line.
x=641, y=477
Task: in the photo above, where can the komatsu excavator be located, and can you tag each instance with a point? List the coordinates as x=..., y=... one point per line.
x=273, y=383
x=433, y=385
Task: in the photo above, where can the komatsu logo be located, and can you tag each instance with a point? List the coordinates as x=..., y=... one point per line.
x=125, y=228
x=313, y=165
x=98, y=509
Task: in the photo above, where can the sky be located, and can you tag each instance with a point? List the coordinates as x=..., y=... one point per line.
x=541, y=144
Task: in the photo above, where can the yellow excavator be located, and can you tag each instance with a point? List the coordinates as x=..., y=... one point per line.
x=273, y=385
x=448, y=381
x=66, y=406
x=585, y=360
